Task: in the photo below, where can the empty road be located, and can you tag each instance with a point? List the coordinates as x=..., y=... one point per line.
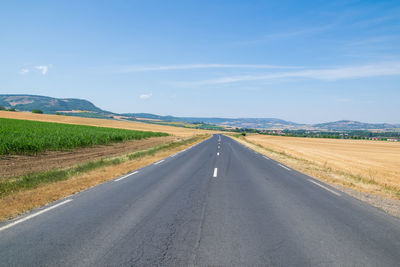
x=218, y=203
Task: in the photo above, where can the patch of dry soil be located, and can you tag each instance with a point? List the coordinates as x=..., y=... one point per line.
x=17, y=165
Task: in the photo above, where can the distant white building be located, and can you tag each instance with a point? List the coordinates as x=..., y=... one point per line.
x=393, y=139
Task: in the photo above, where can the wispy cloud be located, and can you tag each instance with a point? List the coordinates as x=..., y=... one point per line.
x=144, y=68
x=373, y=41
x=43, y=69
x=278, y=36
x=343, y=100
x=23, y=71
x=145, y=96
x=377, y=20
x=331, y=74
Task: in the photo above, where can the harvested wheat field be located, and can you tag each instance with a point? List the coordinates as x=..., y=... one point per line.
x=370, y=166
x=130, y=125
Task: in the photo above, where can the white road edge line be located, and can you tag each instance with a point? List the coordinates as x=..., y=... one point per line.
x=284, y=167
x=324, y=187
x=215, y=172
x=34, y=215
x=266, y=157
x=158, y=162
x=126, y=176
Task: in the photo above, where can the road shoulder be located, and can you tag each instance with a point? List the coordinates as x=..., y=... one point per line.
x=389, y=205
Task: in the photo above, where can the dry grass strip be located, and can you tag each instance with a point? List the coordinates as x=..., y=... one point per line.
x=25, y=200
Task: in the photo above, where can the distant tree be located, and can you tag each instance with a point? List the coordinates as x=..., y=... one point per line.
x=58, y=113
x=38, y=111
x=11, y=109
x=2, y=108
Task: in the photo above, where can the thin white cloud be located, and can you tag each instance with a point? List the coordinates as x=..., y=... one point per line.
x=43, y=69
x=377, y=20
x=343, y=100
x=145, y=96
x=332, y=74
x=372, y=41
x=24, y=71
x=144, y=68
x=278, y=36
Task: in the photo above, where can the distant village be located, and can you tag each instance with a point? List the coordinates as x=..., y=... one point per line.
x=356, y=134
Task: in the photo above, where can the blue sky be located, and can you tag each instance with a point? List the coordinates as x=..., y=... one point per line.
x=303, y=61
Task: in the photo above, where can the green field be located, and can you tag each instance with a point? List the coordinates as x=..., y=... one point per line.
x=31, y=137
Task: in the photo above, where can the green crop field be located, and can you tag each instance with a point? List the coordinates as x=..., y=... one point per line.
x=31, y=137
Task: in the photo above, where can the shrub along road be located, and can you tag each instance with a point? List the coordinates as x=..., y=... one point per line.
x=218, y=203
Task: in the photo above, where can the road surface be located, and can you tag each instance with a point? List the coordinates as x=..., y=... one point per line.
x=218, y=203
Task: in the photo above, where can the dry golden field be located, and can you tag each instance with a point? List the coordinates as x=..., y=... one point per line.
x=130, y=125
x=369, y=166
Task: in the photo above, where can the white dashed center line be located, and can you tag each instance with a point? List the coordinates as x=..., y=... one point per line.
x=215, y=172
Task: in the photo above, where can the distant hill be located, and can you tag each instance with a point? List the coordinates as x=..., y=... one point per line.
x=84, y=108
x=347, y=125
x=257, y=123
x=271, y=123
x=51, y=105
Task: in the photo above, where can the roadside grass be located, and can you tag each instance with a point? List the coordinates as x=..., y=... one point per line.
x=325, y=172
x=51, y=186
x=33, y=180
x=32, y=137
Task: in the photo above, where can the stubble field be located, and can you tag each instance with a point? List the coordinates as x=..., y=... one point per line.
x=370, y=166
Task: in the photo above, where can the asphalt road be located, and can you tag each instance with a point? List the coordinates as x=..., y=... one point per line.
x=223, y=206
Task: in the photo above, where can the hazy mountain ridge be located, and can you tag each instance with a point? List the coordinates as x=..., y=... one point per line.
x=52, y=105
x=48, y=104
x=233, y=122
x=353, y=125
x=271, y=123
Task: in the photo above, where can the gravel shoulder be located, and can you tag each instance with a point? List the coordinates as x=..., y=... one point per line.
x=389, y=205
